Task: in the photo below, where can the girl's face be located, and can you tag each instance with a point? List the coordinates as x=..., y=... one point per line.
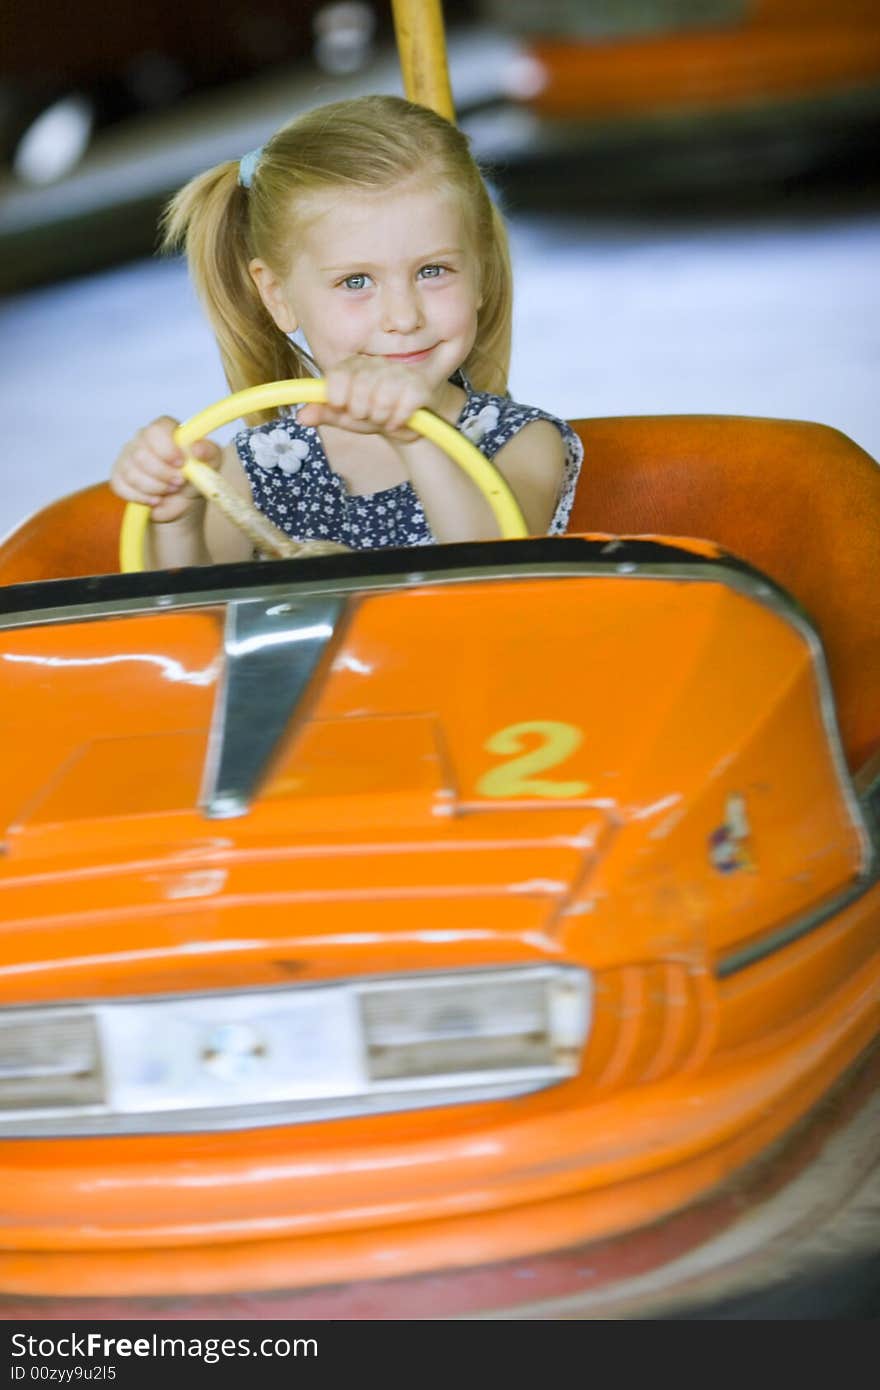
x=388, y=274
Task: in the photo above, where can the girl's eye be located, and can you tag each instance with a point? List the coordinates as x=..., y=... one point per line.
x=356, y=282
x=432, y=272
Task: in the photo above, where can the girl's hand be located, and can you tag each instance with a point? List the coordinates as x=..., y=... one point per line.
x=371, y=396
x=148, y=470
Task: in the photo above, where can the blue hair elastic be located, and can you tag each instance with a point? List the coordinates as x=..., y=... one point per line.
x=247, y=167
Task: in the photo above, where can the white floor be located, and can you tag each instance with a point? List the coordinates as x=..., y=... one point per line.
x=758, y=317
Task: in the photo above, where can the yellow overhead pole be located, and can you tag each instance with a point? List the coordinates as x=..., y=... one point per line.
x=421, y=46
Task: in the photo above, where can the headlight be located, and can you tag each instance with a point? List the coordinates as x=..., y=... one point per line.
x=455, y=1026
x=48, y=1059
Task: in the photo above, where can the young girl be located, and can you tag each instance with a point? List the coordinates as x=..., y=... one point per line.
x=359, y=244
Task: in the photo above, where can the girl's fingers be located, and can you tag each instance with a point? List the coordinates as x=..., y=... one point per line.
x=167, y=505
x=315, y=414
x=149, y=470
x=207, y=451
x=151, y=466
x=333, y=415
x=144, y=475
x=361, y=395
x=338, y=381
x=130, y=493
x=407, y=403
x=157, y=442
x=402, y=434
x=158, y=438
x=128, y=477
x=406, y=406
x=387, y=403
x=366, y=392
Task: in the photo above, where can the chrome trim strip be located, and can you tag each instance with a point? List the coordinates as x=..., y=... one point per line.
x=63, y=1125
x=271, y=653
x=777, y=940
x=703, y=572
x=869, y=848
x=871, y=804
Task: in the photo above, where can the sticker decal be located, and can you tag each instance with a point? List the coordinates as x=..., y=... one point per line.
x=729, y=844
x=515, y=778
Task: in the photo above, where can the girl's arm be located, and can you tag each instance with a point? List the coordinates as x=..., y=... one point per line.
x=203, y=535
x=533, y=463
x=368, y=395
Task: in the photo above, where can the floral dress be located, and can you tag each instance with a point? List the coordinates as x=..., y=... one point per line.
x=295, y=487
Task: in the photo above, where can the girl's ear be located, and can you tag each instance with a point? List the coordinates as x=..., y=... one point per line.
x=271, y=291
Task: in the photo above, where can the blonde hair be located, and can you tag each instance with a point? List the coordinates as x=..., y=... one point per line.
x=367, y=143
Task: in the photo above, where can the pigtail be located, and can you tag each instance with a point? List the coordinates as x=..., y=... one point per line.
x=488, y=364
x=208, y=218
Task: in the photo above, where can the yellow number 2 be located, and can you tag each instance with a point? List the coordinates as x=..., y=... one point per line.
x=514, y=778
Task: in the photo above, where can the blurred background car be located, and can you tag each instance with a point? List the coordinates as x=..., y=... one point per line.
x=104, y=113
x=110, y=65
x=81, y=69
x=661, y=95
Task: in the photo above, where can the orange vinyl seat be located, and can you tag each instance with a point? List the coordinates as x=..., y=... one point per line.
x=799, y=501
x=76, y=535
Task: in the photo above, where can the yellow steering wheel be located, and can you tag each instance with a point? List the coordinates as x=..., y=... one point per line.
x=261, y=531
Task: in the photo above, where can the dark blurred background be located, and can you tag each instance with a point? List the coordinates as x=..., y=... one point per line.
x=593, y=104
x=88, y=86
x=692, y=189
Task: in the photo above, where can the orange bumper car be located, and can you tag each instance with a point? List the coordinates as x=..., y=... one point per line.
x=499, y=935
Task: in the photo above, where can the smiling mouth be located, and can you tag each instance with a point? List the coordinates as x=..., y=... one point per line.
x=407, y=356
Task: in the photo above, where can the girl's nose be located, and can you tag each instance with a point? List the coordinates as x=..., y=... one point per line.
x=401, y=309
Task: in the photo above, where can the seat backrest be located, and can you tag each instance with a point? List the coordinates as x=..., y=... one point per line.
x=77, y=535
x=799, y=501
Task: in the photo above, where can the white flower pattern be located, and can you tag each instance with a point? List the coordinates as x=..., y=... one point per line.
x=478, y=426
x=293, y=484
x=276, y=449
